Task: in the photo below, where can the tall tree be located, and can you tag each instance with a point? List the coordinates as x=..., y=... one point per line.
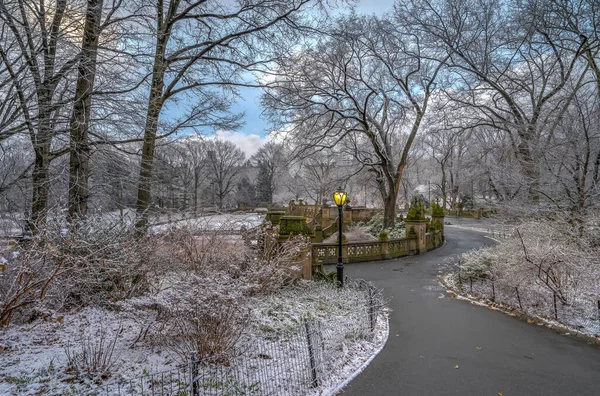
x=38, y=55
x=225, y=161
x=269, y=161
x=80, y=117
x=509, y=72
x=205, y=65
x=365, y=87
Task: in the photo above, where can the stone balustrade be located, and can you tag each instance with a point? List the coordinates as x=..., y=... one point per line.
x=355, y=252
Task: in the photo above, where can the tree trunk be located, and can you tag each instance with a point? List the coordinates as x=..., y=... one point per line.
x=80, y=152
x=155, y=103
x=443, y=187
x=220, y=195
x=389, y=209
x=195, y=192
x=145, y=179
x=40, y=186
x=531, y=173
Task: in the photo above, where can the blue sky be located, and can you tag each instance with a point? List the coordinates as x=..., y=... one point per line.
x=255, y=126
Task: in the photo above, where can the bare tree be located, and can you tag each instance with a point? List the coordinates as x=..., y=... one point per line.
x=225, y=161
x=507, y=70
x=269, y=160
x=205, y=65
x=38, y=55
x=367, y=85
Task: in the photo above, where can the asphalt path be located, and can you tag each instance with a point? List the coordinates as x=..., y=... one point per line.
x=442, y=346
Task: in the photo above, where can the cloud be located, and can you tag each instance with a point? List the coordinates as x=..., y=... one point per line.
x=248, y=143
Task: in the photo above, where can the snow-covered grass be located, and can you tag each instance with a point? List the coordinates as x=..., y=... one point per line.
x=101, y=305
x=34, y=357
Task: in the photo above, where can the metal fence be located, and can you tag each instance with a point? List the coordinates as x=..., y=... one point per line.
x=500, y=232
x=283, y=363
x=577, y=312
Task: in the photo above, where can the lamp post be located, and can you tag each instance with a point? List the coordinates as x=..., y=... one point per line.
x=340, y=197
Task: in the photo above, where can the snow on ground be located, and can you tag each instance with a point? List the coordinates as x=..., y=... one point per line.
x=579, y=322
x=217, y=222
x=34, y=357
x=12, y=224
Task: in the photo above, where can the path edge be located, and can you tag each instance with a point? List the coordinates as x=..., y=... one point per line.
x=360, y=369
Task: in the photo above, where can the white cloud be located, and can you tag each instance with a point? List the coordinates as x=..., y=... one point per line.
x=249, y=144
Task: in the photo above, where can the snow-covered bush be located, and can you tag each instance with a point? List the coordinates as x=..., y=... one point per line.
x=210, y=331
x=555, y=255
x=93, y=356
x=375, y=226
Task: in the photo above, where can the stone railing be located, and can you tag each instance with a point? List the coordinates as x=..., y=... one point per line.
x=355, y=252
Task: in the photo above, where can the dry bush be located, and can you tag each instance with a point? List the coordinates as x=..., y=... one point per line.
x=274, y=265
x=204, y=252
x=94, y=355
x=551, y=255
x=96, y=263
x=211, y=331
x=27, y=273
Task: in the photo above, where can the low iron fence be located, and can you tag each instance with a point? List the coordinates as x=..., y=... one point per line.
x=285, y=363
x=577, y=312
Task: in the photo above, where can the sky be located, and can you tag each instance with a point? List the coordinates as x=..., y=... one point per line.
x=252, y=135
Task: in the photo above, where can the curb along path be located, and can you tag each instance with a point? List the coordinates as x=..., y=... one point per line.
x=441, y=346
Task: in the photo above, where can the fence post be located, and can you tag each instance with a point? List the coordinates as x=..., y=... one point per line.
x=519, y=298
x=493, y=292
x=371, y=313
x=471, y=281
x=598, y=309
x=311, y=355
x=194, y=374
x=555, y=307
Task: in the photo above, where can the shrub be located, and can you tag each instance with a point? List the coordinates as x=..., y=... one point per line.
x=398, y=230
x=94, y=357
x=211, y=331
x=436, y=210
x=416, y=212
x=375, y=225
x=383, y=236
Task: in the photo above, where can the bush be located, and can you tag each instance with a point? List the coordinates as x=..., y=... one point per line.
x=416, y=212
x=210, y=331
x=383, y=236
x=94, y=357
x=546, y=255
x=375, y=225
x=437, y=210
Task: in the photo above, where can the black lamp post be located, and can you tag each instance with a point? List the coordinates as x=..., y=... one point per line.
x=340, y=199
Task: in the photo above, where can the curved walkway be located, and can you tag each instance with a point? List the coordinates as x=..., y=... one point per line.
x=442, y=346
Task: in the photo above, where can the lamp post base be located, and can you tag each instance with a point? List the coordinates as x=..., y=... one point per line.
x=340, y=273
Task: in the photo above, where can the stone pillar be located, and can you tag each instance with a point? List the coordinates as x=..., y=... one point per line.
x=439, y=219
x=420, y=228
x=385, y=250
x=345, y=253
x=274, y=216
x=318, y=238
